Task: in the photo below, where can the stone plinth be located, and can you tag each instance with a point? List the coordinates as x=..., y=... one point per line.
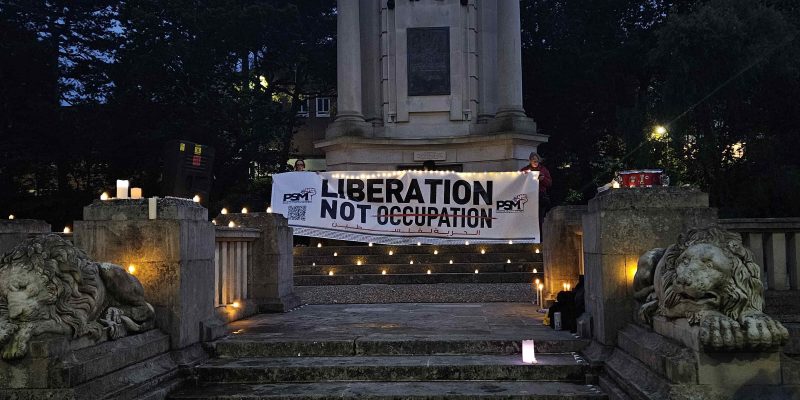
x=173, y=257
x=13, y=231
x=271, y=275
x=562, y=245
x=621, y=224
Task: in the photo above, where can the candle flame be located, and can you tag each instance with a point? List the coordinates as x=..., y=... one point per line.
x=67, y=229
x=196, y=198
x=131, y=269
x=104, y=196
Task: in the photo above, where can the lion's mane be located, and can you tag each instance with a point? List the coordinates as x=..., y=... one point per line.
x=72, y=280
x=742, y=295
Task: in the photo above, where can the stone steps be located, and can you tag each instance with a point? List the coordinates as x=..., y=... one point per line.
x=551, y=367
x=510, y=390
x=417, y=293
x=406, y=279
x=458, y=258
x=417, y=268
x=355, y=273
x=312, y=250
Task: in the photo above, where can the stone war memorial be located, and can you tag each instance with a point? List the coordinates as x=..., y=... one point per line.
x=640, y=293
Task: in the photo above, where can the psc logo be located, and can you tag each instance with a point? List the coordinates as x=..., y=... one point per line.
x=304, y=196
x=512, y=206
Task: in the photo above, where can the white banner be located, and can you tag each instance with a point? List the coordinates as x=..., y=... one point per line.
x=406, y=207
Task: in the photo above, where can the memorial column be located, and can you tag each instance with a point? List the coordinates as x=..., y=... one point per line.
x=348, y=53
x=509, y=60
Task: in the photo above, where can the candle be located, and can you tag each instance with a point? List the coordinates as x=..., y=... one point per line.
x=11, y=216
x=196, y=198
x=122, y=189
x=136, y=193
x=244, y=210
x=528, y=352
x=152, y=208
x=67, y=230
x=269, y=209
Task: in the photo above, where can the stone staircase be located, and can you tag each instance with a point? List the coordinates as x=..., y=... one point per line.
x=400, y=351
x=421, y=273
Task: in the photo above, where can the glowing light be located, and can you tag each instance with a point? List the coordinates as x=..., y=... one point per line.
x=231, y=224
x=330, y=273
x=391, y=253
x=383, y=272
x=535, y=271
x=67, y=230
x=411, y=262
x=659, y=133
x=104, y=196
x=131, y=269
x=136, y=193
x=269, y=210
x=436, y=252
x=370, y=244
x=615, y=184
x=429, y=272
x=536, y=281
x=466, y=243
x=541, y=286
x=11, y=216
x=508, y=261
x=510, y=242
x=483, y=251
x=358, y=262
x=451, y=261
x=223, y=211
x=213, y=221
x=319, y=245
x=476, y=271
x=419, y=244
x=528, y=352
x=244, y=210
x=313, y=264
x=335, y=254
x=196, y=198
x=236, y=304
x=737, y=150
x=537, y=250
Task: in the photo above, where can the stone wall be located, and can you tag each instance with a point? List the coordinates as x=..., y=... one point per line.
x=562, y=247
x=620, y=225
x=14, y=231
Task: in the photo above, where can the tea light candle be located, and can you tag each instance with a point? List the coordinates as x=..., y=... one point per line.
x=136, y=193
x=104, y=196
x=122, y=189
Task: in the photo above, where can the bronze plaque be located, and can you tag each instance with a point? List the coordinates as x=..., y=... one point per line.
x=428, y=61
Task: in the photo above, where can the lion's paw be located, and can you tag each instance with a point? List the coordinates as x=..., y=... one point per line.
x=7, y=331
x=720, y=332
x=18, y=346
x=763, y=332
x=113, y=320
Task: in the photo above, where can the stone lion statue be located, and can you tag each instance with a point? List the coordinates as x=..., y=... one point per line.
x=710, y=278
x=47, y=285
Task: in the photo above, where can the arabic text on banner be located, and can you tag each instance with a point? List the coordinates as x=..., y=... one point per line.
x=406, y=207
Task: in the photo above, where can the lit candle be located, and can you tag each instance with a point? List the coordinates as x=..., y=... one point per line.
x=224, y=211
x=335, y=254
x=269, y=210
x=429, y=272
x=236, y=304
x=451, y=261
x=244, y=210
x=508, y=261
x=528, y=352
x=67, y=230
x=196, y=198
x=136, y=193
x=104, y=196
x=131, y=269
x=383, y=272
x=122, y=189
x=535, y=271
x=330, y=273
x=370, y=244
x=319, y=245
x=411, y=262
x=436, y=252
x=391, y=253
x=231, y=224
x=476, y=271
x=11, y=216
x=483, y=251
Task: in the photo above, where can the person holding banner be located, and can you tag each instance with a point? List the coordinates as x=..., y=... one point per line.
x=545, y=181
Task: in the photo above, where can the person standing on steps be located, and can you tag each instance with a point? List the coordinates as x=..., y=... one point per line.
x=545, y=182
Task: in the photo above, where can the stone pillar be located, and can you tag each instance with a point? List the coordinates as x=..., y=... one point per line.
x=14, y=231
x=509, y=60
x=349, y=117
x=271, y=276
x=173, y=257
x=620, y=225
x=562, y=248
x=510, y=116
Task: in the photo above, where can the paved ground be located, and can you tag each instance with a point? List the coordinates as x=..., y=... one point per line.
x=401, y=322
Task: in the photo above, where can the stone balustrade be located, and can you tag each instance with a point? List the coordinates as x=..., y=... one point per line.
x=775, y=243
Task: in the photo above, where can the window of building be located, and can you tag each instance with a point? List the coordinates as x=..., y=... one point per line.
x=323, y=106
x=303, y=111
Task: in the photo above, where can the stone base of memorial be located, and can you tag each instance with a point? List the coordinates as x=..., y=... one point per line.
x=271, y=275
x=170, y=245
x=14, y=231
